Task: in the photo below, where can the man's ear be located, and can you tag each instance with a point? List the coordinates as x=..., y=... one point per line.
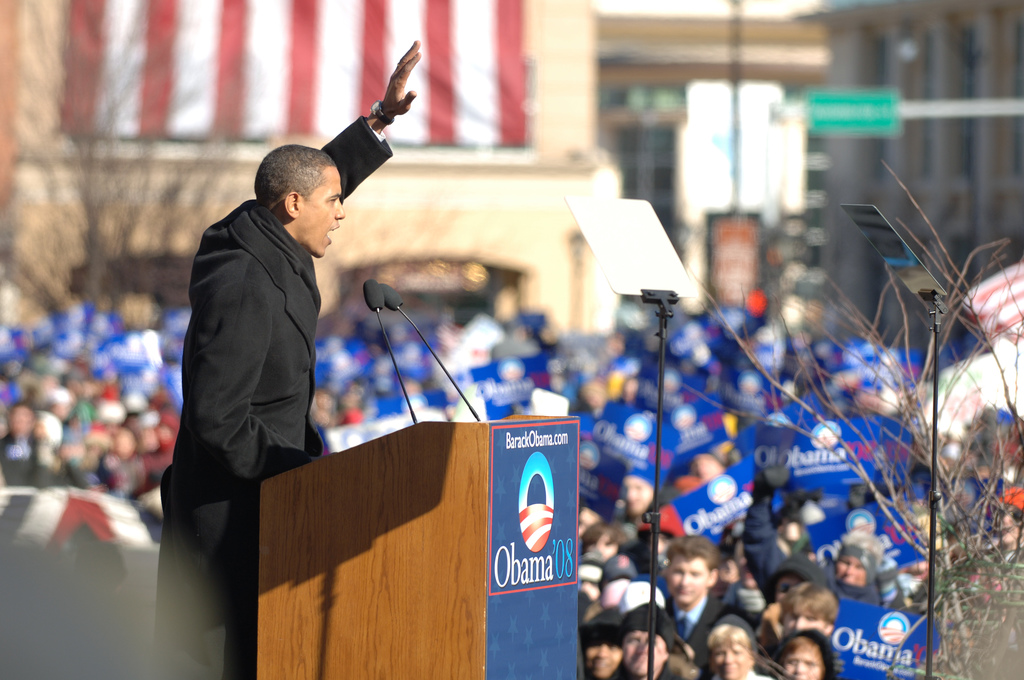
x=292, y=204
x=713, y=577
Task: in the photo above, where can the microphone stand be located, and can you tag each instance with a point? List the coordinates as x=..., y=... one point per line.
x=397, y=372
x=664, y=299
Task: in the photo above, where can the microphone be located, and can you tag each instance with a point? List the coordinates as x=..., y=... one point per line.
x=374, y=296
x=393, y=301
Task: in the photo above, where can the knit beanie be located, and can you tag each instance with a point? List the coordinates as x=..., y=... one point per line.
x=865, y=557
x=637, y=619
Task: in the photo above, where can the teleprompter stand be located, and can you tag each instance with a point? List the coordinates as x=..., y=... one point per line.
x=635, y=254
x=911, y=271
x=664, y=299
x=934, y=497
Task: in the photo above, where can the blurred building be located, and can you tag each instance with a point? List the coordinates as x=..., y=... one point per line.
x=730, y=191
x=139, y=122
x=967, y=173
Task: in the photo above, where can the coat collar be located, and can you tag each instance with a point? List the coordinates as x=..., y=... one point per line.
x=290, y=267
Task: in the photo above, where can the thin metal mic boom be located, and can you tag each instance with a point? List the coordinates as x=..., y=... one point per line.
x=393, y=301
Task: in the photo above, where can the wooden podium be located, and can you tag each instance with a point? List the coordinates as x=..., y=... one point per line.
x=407, y=556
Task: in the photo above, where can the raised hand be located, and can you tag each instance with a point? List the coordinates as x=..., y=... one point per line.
x=396, y=100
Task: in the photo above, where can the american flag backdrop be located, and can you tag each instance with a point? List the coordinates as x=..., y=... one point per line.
x=251, y=69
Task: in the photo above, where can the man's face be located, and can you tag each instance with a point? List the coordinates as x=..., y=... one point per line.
x=689, y=581
x=850, y=571
x=706, y=467
x=602, y=660
x=634, y=654
x=318, y=215
x=1009, y=539
x=639, y=495
x=21, y=421
x=805, y=621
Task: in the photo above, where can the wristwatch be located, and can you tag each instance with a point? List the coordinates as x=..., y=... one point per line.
x=379, y=114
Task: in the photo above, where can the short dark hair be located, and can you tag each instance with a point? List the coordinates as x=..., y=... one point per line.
x=690, y=548
x=288, y=168
x=594, y=533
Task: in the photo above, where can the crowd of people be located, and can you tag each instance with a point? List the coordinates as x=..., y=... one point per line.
x=756, y=602
x=73, y=429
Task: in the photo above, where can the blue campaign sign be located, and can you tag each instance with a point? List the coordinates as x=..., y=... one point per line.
x=600, y=478
x=68, y=345
x=105, y=325
x=175, y=321
x=172, y=335
x=339, y=361
x=43, y=332
x=509, y=383
x=170, y=377
x=699, y=427
x=708, y=510
x=630, y=435
x=826, y=535
x=690, y=341
x=143, y=381
x=747, y=391
x=532, y=581
x=395, y=404
x=822, y=458
x=13, y=344
x=872, y=640
x=128, y=353
x=414, y=360
x=680, y=388
x=74, y=318
x=874, y=367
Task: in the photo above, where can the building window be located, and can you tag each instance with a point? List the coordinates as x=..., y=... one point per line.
x=928, y=92
x=647, y=160
x=969, y=57
x=1018, y=92
x=881, y=79
x=643, y=97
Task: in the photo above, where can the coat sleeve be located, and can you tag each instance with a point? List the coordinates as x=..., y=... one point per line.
x=358, y=153
x=232, y=338
x=760, y=545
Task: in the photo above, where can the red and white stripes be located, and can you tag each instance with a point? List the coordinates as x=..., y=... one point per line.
x=249, y=69
x=998, y=301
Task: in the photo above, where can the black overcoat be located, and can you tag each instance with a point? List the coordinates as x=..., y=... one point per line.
x=248, y=384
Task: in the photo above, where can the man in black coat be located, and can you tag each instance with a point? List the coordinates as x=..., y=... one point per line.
x=22, y=462
x=248, y=382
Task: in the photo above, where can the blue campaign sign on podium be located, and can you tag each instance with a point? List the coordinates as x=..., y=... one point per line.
x=532, y=517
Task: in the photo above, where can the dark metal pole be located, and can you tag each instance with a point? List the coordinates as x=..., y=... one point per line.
x=664, y=299
x=933, y=494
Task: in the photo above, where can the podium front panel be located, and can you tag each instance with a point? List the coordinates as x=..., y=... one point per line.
x=533, y=510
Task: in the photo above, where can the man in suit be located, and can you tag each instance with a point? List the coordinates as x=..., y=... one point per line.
x=691, y=573
x=248, y=383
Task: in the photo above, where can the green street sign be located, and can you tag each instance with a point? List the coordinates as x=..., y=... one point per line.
x=854, y=113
